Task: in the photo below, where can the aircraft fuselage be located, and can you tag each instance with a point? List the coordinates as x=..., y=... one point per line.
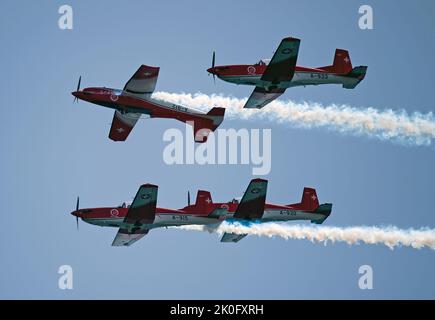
x=303, y=76
x=114, y=217
x=124, y=102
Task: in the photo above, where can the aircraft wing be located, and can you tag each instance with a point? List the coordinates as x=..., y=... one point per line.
x=251, y=206
x=143, y=82
x=260, y=97
x=122, y=124
x=140, y=215
x=232, y=237
x=126, y=238
x=283, y=63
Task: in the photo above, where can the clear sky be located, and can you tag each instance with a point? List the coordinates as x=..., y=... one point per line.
x=54, y=150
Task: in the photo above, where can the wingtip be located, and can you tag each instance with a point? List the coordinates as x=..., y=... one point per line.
x=291, y=39
x=149, y=185
x=259, y=180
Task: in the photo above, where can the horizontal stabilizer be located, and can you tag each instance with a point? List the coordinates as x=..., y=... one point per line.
x=357, y=74
x=324, y=210
x=218, y=212
x=216, y=111
x=232, y=237
x=217, y=116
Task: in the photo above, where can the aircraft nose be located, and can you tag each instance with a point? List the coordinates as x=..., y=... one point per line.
x=76, y=94
x=211, y=70
x=76, y=213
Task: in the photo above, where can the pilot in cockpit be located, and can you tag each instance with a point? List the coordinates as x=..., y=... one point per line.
x=234, y=201
x=263, y=62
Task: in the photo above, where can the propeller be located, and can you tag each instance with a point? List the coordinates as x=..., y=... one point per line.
x=77, y=208
x=78, y=88
x=188, y=198
x=213, y=60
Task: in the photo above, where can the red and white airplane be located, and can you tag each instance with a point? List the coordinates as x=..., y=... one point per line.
x=135, y=101
x=136, y=219
x=271, y=77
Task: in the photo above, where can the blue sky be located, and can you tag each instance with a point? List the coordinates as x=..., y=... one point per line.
x=54, y=150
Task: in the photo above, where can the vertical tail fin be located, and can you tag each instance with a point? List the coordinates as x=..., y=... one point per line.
x=204, y=124
x=309, y=201
x=341, y=64
x=203, y=200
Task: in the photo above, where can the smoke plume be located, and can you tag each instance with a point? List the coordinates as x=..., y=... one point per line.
x=389, y=236
x=398, y=126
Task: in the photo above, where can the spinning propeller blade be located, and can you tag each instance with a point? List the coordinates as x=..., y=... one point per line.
x=78, y=88
x=213, y=60
x=77, y=208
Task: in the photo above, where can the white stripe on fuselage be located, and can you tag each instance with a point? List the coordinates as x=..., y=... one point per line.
x=163, y=104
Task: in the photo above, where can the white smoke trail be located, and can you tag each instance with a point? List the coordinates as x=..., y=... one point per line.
x=398, y=126
x=389, y=236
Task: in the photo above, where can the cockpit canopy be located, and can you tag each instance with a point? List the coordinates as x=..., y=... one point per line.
x=125, y=204
x=234, y=201
x=263, y=62
x=101, y=90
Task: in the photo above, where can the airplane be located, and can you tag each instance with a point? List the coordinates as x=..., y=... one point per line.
x=135, y=101
x=271, y=77
x=253, y=208
x=135, y=220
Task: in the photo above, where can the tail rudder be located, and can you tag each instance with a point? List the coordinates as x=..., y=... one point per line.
x=309, y=200
x=204, y=124
x=342, y=63
x=310, y=203
x=203, y=200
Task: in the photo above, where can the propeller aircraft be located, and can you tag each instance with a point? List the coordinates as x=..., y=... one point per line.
x=135, y=220
x=135, y=101
x=271, y=77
